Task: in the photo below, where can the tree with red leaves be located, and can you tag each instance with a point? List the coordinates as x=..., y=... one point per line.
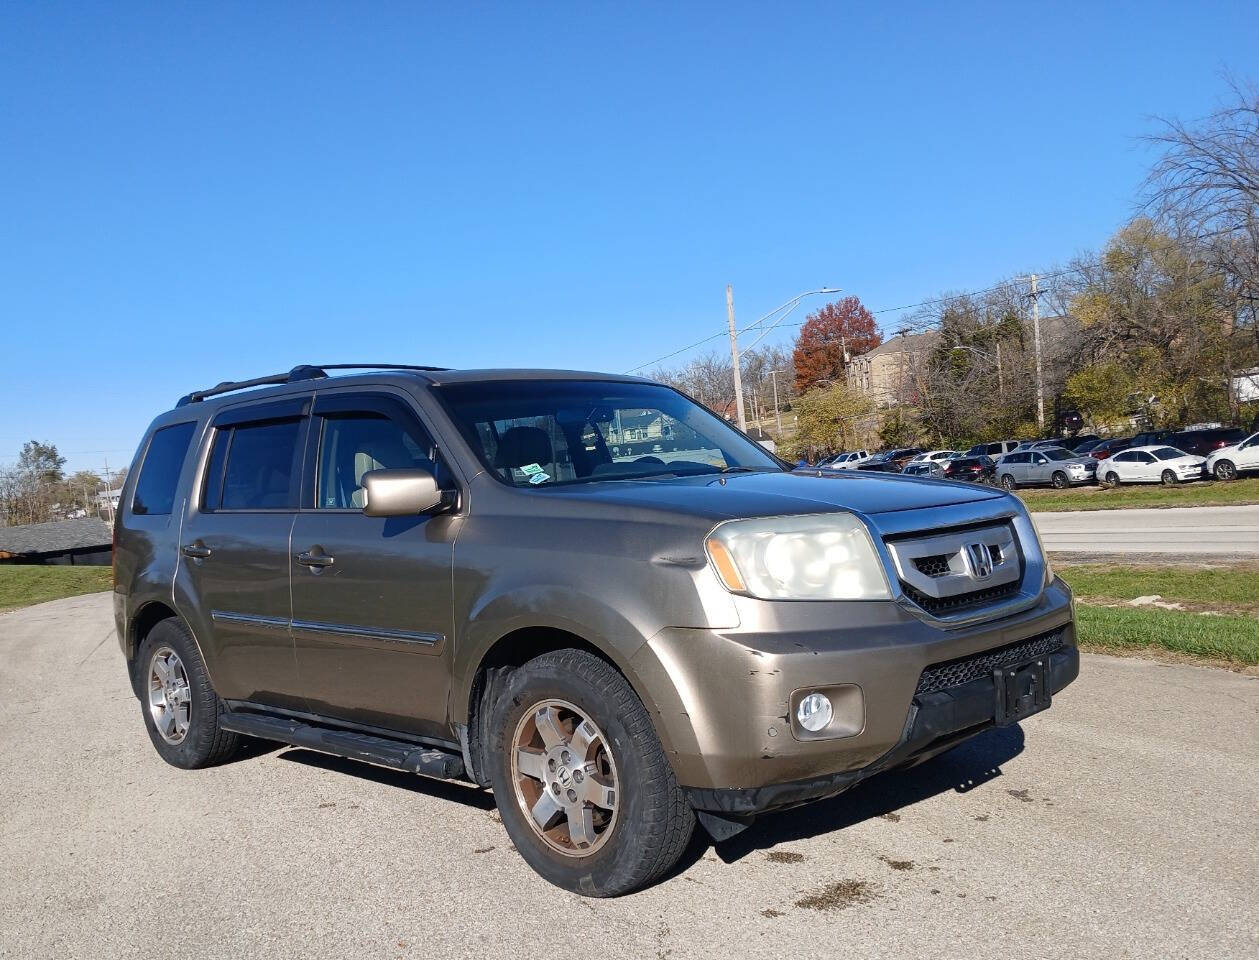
x=829, y=338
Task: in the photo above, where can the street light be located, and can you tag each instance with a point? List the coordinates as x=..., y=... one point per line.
x=788, y=306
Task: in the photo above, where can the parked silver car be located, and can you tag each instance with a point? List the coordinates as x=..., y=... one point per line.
x=1053, y=465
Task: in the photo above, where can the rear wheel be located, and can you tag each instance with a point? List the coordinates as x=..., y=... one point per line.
x=1169, y=478
x=1112, y=479
x=1060, y=480
x=1007, y=481
x=1226, y=470
x=582, y=783
x=180, y=708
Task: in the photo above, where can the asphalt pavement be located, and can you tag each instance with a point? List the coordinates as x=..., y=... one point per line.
x=1121, y=823
x=1176, y=531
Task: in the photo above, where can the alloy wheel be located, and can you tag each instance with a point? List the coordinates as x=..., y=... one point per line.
x=170, y=695
x=1007, y=481
x=565, y=778
x=1224, y=470
x=1112, y=479
x=1169, y=478
x=1060, y=479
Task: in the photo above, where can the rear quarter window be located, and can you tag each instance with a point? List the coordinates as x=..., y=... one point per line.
x=159, y=473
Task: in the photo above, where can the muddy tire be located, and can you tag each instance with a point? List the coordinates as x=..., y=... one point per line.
x=583, y=786
x=180, y=709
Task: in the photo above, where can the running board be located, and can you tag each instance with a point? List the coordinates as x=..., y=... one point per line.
x=397, y=754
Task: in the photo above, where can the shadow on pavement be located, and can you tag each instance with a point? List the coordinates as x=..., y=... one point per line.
x=965, y=767
x=454, y=790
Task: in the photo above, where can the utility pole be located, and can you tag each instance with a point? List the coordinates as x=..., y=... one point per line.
x=778, y=419
x=1040, y=377
x=734, y=360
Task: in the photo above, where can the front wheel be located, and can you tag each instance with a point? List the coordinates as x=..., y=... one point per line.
x=1111, y=479
x=1060, y=480
x=1169, y=478
x=1007, y=481
x=582, y=783
x=1226, y=470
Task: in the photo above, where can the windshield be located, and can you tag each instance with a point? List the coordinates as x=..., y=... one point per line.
x=1169, y=453
x=1057, y=453
x=547, y=432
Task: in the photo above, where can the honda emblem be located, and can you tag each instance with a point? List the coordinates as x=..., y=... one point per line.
x=980, y=560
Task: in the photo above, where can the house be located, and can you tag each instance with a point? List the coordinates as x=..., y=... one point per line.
x=87, y=541
x=887, y=374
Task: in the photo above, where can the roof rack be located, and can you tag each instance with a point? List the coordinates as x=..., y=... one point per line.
x=304, y=371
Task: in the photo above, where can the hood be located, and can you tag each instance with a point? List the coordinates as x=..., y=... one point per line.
x=778, y=494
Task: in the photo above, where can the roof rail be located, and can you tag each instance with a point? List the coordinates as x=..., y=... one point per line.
x=304, y=371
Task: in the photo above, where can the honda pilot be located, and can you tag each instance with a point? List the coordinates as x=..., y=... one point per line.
x=588, y=593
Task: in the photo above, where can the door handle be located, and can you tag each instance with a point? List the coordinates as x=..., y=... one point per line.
x=314, y=559
x=195, y=551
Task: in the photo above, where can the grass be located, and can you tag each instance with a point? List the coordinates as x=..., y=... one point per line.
x=1232, y=639
x=21, y=586
x=1219, y=589
x=1197, y=494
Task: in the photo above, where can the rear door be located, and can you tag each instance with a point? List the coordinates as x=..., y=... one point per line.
x=233, y=574
x=372, y=596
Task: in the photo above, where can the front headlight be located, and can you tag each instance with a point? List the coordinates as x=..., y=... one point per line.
x=818, y=557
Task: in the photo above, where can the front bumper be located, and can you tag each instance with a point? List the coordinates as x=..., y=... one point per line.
x=937, y=722
x=721, y=699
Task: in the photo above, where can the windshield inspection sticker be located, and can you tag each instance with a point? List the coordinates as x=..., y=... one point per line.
x=539, y=477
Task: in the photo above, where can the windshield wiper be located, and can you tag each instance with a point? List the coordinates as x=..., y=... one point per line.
x=741, y=469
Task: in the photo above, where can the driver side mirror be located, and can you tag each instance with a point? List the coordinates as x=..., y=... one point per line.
x=400, y=493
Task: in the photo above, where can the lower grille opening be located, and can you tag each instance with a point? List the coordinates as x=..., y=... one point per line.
x=933, y=566
x=961, y=601
x=953, y=673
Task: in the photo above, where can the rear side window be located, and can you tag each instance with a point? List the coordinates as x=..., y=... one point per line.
x=159, y=474
x=254, y=466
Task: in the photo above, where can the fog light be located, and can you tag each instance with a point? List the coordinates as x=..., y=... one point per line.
x=814, y=712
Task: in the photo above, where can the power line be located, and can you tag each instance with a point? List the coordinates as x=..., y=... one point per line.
x=882, y=310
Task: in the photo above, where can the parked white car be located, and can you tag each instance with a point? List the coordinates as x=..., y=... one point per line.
x=1152, y=464
x=846, y=461
x=935, y=456
x=1227, y=462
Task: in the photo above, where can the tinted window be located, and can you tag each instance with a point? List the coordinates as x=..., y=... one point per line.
x=353, y=444
x=259, y=473
x=159, y=474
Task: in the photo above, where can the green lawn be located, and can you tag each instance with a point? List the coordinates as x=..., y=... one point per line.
x=1234, y=639
x=1222, y=589
x=20, y=586
x=1196, y=494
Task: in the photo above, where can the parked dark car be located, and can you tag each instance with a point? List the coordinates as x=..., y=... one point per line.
x=994, y=449
x=1110, y=447
x=1086, y=446
x=1074, y=443
x=1153, y=438
x=893, y=461
x=924, y=468
x=975, y=469
x=1202, y=443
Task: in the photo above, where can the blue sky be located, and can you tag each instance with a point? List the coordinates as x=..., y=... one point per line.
x=193, y=192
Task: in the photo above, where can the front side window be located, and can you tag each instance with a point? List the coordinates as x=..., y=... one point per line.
x=546, y=432
x=254, y=466
x=353, y=444
x=159, y=474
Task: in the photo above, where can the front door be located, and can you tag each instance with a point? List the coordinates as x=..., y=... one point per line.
x=234, y=552
x=372, y=596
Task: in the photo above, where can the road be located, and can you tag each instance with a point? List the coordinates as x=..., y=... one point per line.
x=1178, y=531
x=1119, y=824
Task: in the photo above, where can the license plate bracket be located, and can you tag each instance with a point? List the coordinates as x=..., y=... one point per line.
x=1021, y=690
